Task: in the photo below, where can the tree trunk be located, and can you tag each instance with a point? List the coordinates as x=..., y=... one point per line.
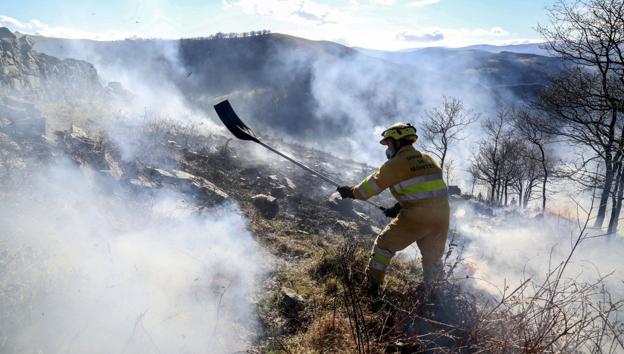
x=617, y=202
x=492, y=192
x=506, y=194
x=527, y=194
x=545, y=170
x=604, y=196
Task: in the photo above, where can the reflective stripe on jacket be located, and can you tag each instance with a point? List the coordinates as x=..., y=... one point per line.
x=410, y=175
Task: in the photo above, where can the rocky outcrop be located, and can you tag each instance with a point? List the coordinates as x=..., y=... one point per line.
x=27, y=73
x=97, y=155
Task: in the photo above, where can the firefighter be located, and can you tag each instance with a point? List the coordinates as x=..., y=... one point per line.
x=422, y=212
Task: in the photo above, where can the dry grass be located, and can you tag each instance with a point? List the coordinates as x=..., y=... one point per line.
x=554, y=315
x=329, y=333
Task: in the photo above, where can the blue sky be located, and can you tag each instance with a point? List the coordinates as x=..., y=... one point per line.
x=377, y=24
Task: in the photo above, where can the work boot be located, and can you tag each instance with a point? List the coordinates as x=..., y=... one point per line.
x=430, y=293
x=426, y=294
x=373, y=292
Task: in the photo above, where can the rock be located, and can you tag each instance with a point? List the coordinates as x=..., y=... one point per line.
x=77, y=133
x=5, y=33
x=184, y=175
x=210, y=189
x=368, y=229
x=343, y=225
x=361, y=215
x=454, y=190
x=273, y=178
x=161, y=174
x=290, y=183
x=188, y=183
x=278, y=191
x=113, y=167
x=266, y=204
x=343, y=206
x=173, y=144
x=291, y=303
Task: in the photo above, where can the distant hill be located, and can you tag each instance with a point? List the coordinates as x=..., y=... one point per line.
x=314, y=88
x=506, y=69
x=529, y=48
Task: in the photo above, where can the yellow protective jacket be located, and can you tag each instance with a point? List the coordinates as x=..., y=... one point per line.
x=413, y=177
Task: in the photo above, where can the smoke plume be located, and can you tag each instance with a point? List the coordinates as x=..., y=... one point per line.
x=89, y=268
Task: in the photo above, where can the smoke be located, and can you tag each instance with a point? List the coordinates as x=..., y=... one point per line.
x=324, y=95
x=512, y=246
x=366, y=96
x=89, y=268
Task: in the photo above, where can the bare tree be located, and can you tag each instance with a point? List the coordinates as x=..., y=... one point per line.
x=529, y=175
x=590, y=35
x=535, y=128
x=445, y=124
x=509, y=160
x=449, y=169
x=488, y=164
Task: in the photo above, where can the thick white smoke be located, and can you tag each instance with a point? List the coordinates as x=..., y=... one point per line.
x=510, y=247
x=88, y=268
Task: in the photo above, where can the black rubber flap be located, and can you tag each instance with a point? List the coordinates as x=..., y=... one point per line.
x=233, y=123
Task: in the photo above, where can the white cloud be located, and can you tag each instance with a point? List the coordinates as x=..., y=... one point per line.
x=421, y=36
x=494, y=31
x=35, y=26
x=449, y=35
x=420, y=3
x=9, y=21
x=287, y=10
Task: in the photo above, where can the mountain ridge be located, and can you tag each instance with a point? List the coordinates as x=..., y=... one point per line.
x=278, y=76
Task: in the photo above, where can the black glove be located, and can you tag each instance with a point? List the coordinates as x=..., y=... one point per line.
x=346, y=192
x=392, y=212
